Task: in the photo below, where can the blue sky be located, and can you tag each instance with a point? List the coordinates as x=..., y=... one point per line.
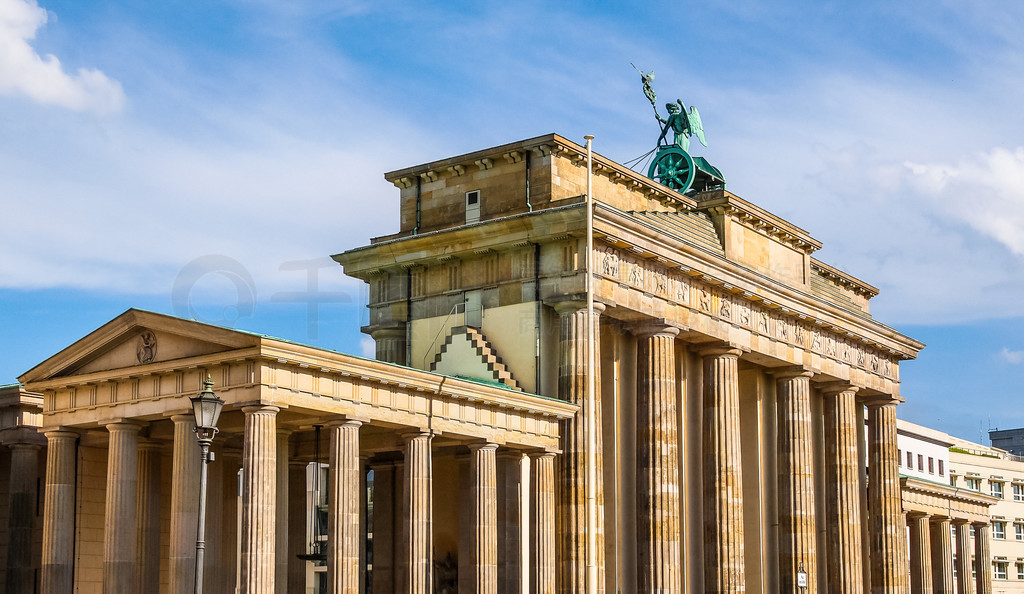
x=221, y=150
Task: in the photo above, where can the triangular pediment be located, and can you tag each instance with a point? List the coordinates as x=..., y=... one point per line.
x=139, y=338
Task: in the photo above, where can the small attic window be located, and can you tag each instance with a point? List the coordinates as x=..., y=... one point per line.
x=472, y=206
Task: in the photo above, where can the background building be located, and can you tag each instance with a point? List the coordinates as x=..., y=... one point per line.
x=996, y=472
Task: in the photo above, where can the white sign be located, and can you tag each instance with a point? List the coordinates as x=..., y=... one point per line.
x=801, y=579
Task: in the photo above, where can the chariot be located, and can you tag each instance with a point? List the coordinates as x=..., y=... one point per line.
x=672, y=165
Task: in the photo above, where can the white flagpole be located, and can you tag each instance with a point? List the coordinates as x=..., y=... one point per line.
x=591, y=416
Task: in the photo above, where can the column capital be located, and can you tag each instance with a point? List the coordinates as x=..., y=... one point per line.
x=917, y=515
x=413, y=433
x=654, y=327
x=536, y=455
x=961, y=521
x=509, y=454
x=882, y=400
x=790, y=371
x=250, y=408
x=392, y=330
x=342, y=420
x=124, y=425
x=147, y=443
x=22, y=436
x=980, y=524
x=836, y=387
x=483, y=445
x=567, y=304
x=718, y=349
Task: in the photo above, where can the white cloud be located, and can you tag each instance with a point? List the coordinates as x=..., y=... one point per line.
x=986, y=192
x=42, y=78
x=1014, y=357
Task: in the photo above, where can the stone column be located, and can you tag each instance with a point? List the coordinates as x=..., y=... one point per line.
x=572, y=487
x=983, y=558
x=942, y=556
x=121, y=531
x=484, y=495
x=259, y=500
x=184, y=505
x=21, y=513
x=391, y=344
x=383, y=526
x=509, y=521
x=845, y=565
x=888, y=543
x=147, y=510
x=282, y=523
x=344, y=526
x=417, y=515
x=964, y=580
x=542, y=523
x=723, y=480
x=364, y=521
x=920, y=554
x=797, y=526
x=657, y=462
x=59, y=513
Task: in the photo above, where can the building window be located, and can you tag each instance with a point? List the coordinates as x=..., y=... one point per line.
x=899, y=457
x=973, y=483
x=1018, y=530
x=997, y=489
x=1020, y=571
x=931, y=465
x=941, y=471
x=999, y=530
x=910, y=460
x=472, y=206
x=1000, y=570
x=1018, y=492
x=920, y=462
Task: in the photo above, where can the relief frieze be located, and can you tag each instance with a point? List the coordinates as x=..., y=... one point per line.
x=680, y=288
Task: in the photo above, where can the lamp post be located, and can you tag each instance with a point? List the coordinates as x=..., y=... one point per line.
x=206, y=407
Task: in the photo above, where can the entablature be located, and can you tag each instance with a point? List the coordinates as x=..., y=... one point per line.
x=629, y=256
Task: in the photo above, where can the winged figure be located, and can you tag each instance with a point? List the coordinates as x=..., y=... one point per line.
x=683, y=125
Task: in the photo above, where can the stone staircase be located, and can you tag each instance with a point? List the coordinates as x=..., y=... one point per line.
x=499, y=372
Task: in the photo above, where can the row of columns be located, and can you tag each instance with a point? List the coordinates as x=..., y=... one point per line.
x=21, y=503
x=931, y=556
x=658, y=487
x=131, y=535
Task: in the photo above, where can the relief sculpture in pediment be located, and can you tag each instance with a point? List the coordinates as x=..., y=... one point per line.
x=145, y=352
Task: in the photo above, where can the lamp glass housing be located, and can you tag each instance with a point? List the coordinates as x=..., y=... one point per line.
x=206, y=407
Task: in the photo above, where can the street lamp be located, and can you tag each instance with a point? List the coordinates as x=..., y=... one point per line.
x=206, y=407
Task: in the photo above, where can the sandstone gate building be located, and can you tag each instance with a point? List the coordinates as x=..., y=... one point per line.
x=734, y=372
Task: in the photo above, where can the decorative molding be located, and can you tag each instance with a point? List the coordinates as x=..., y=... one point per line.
x=629, y=269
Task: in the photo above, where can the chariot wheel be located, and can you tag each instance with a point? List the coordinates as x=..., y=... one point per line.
x=673, y=168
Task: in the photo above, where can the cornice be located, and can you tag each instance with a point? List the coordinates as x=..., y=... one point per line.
x=844, y=280
x=749, y=284
x=541, y=146
x=729, y=204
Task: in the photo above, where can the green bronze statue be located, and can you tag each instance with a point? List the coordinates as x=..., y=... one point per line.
x=672, y=166
x=683, y=125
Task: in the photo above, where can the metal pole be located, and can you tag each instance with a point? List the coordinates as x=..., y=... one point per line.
x=591, y=414
x=201, y=531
